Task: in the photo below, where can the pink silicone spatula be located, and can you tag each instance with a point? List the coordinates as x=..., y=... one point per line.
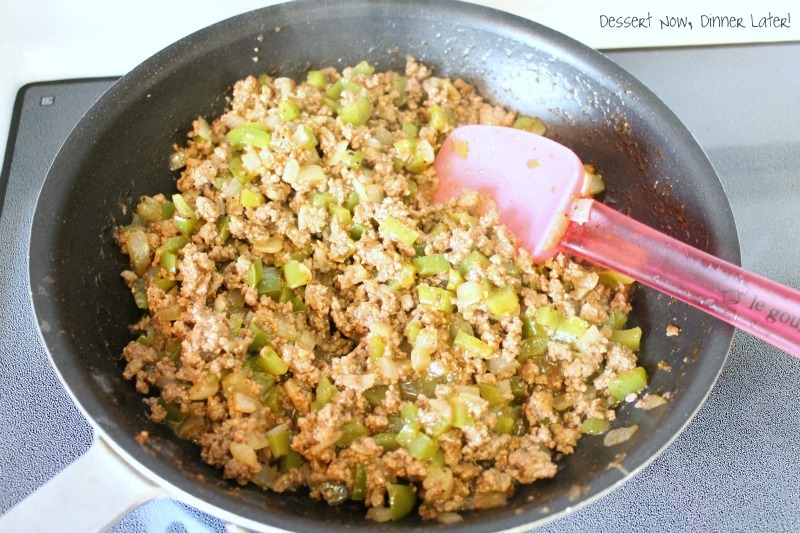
x=540, y=190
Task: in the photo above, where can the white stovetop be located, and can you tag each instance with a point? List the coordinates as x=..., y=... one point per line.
x=51, y=39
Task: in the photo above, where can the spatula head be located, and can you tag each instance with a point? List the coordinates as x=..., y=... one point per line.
x=533, y=180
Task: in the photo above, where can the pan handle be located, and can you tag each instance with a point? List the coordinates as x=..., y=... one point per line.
x=91, y=494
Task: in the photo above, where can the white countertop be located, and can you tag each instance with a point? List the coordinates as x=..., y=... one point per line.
x=48, y=39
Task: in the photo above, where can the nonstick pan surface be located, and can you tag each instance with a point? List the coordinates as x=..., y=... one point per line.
x=654, y=171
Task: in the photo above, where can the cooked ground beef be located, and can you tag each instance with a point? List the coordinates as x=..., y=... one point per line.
x=313, y=320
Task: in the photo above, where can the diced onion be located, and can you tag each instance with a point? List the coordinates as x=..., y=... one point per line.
x=280, y=428
x=563, y=402
x=285, y=86
x=359, y=187
x=310, y=175
x=502, y=367
x=328, y=442
x=374, y=193
x=290, y=172
x=203, y=129
x=256, y=439
x=244, y=403
x=420, y=360
x=581, y=210
x=383, y=137
x=307, y=340
x=443, y=407
x=372, y=142
x=177, y=160
x=650, y=401
x=139, y=250
x=593, y=183
x=264, y=477
x=205, y=388
x=436, y=369
x=251, y=162
x=303, y=137
x=272, y=122
x=426, y=340
x=489, y=500
x=244, y=454
x=381, y=328
x=191, y=428
x=470, y=292
x=359, y=447
x=235, y=381
x=591, y=337
x=338, y=153
x=379, y=514
x=272, y=245
x=475, y=402
x=232, y=189
x=233, y=120
x=449, y=518
x=387, y=368
x=470, y=389
x=285, y=329
x=359, y=382
x=619, y=435
x=441, y=480
x=584, y=283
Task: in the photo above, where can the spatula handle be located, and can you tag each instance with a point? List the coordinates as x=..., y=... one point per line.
x=754, y=304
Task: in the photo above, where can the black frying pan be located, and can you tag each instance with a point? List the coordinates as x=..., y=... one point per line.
x=654, y=170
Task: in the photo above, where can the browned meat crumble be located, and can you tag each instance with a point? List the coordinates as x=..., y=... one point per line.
x=313, y=320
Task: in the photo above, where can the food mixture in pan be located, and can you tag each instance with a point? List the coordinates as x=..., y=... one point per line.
x=312, y=319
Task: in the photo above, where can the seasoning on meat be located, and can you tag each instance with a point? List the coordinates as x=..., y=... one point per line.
x=312, y=319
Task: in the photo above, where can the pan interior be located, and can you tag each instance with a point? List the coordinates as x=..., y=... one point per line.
x=653, y=168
